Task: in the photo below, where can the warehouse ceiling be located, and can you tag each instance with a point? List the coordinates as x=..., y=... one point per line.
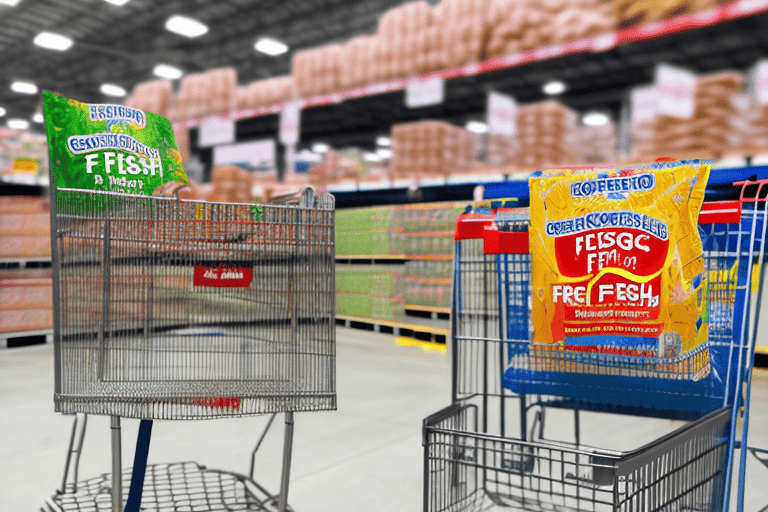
x=122, y=44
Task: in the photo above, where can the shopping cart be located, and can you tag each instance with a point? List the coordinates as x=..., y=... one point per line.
x=488, y=450
x=182, y=310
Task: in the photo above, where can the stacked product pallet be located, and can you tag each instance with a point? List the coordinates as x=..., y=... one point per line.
x=707, y=133
x=430, y=148
x=25, y=293
x=263, y=93
x=419, y=235
x=369, y=291
x=547, y=133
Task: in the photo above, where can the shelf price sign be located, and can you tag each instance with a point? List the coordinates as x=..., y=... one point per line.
x=502, y=114
x=676, y=89
x=215, y=131
x=424, y=92
x=290, y=118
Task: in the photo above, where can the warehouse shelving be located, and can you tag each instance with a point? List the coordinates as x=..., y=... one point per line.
x=599, y=72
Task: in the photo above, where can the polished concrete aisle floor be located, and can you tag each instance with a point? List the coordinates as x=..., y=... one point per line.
x=366, y=456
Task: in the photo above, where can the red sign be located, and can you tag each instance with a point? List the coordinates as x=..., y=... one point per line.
x=223, y=277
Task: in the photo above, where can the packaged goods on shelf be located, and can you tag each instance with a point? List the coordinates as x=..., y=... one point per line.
x=636, y=12
x=153, y=96
x=24, y=228
x=210, y=93
x=263, y=93
x=356, y=65
x=22, y=153
x=231, y=184
x=16, y=321
x=368, y=291
x=515, y=26
x=547, y=135
x=427, y=284
x=502, y=149
x=25, y=289
x=706, y=134
x=430, y=148
x=464, y=25
x=317, y=70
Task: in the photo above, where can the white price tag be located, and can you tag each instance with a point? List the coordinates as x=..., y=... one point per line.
x=761, y=83
x=215, y=131
x=422, y=93
x=644, y=104
x=502, y=114
x=676, y=89
x=290, y=118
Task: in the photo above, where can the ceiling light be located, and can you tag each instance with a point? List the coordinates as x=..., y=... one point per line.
x=38, y=118
x=270, y=46
x=53, y=41
x=595, y=119
x=166, y=71
x=371, y=157
x=185, y=26
x=9, y=2
x=554, y=87
x=2, y=111
x=18, y=124
x=112, y=90
x=476, y=127
x=117, y=2
x=384, y=152
x=320, y=147
x=24, y=87
x=384, y=141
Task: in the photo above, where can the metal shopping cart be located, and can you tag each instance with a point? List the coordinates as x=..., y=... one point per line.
x=182, y=310
x=488, y=450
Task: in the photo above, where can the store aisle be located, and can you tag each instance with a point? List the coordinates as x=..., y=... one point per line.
x=367, y=455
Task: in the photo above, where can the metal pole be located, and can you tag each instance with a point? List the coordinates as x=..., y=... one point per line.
x=117, y=463
x=287, y=448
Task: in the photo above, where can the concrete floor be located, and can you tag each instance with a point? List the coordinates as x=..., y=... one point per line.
x=365, y=456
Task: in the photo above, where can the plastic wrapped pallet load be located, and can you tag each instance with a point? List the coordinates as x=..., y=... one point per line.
x=153, y=96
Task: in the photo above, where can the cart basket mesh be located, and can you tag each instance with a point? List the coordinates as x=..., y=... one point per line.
x=168, y=309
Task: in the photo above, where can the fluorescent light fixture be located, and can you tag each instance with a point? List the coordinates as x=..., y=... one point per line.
x=320, y=147
x=185, y=26
x=166, y=71
x=9, y=2
x=371, y=157
x=18, y=124
x=112, y=90
x=477, y=127
x=53, y=41
x=270, y=46
x=595, y=119
x=38, y=118
x=554, y=87
x=24, y=87
x=2, y=112
x=384, y=141
x=384, y=152
x=117, y=2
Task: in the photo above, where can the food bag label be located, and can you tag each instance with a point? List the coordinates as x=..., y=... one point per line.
x=617, y=263
x=109, y=147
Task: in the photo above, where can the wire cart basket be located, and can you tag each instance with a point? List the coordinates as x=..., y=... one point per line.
x=487, y=450
x=181, y=310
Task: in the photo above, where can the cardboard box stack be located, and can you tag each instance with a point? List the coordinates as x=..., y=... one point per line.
x=25, y=294
x=515, y=25
x=317, y=70
x=267, y=92
x=708, y=134
x=464, y=25
x=368, y=291
x=430, y=148
x=597, y=144
x=229, y=184
x=356, y=67
x=547, y=134
x=211, y=93
x=502, y=150
x=154, y=96
x=636, y=12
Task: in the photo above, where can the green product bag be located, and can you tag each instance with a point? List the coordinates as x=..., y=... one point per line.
x=111, y=148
